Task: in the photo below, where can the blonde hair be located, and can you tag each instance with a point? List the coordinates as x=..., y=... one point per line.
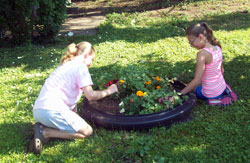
x=74, y=50
x=203, y=28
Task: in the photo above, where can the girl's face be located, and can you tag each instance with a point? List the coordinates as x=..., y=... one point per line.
x=197, y=42
x=88, y=59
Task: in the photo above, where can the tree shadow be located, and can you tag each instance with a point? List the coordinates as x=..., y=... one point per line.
x=173, y=28
x=14, y=135
x=43, y=59
x=11, y=142
x=237, y=74
x=124, y=6
x=38, y=57
x=228, y=22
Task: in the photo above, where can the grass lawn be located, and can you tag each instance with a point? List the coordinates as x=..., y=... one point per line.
x=158, y=43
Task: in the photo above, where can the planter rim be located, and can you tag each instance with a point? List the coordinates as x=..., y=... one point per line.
x=127, y=122
x=191, y=102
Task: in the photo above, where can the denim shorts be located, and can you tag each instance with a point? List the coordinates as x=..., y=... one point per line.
x=66, y=120
x=200, y=96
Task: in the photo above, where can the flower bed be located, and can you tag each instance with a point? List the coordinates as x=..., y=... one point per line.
x=105, y=113
x=143, y=93
x=143, y=102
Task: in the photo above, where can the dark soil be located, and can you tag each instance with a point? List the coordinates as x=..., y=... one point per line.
x=107, y=105
x=111, y=106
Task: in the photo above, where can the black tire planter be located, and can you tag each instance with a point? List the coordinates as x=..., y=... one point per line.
x=164, y=118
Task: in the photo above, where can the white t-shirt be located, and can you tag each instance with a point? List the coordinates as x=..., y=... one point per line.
x=62, y=89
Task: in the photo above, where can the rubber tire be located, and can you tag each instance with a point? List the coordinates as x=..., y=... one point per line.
x=137, y=122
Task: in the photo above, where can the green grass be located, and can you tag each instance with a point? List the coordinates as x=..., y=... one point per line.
x=215, y=134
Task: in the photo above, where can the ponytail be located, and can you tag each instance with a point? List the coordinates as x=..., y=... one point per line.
x=70, y=53
x=74, y=50
x=203, y=28
x=210, y=37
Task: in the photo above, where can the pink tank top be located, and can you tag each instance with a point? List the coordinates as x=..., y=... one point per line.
x=213, y=82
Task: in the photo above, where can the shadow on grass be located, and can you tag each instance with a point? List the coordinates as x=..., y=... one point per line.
x=137, y=6
x=33, y=58
x=102, y=75
x=14, y=137
x=43, y=59
x=173, y=28
x=15, y=134
x=237, y=74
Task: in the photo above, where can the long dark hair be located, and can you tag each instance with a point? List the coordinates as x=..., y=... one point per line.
x=203, y=28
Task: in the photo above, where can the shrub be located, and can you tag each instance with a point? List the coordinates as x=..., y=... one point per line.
x=51, y=15
x=15, y=18
x=28, y=20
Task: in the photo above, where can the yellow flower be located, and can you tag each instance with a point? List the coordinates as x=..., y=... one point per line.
x=148, y=82
x=145, y=93
x=121, y=82
x=139, y=93
x=158, y=87
x=157, y=78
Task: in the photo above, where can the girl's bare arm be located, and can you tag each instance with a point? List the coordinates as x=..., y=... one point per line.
x=92, y=95
x=200, y=67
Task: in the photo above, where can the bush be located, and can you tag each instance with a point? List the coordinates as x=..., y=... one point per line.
x=28, y=20
x=15, y=18
x=51, y=15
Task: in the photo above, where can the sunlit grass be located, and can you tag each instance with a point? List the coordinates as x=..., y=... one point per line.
x=214, y=135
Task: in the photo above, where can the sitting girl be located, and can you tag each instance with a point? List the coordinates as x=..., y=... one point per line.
x=55, y=108
x=208, y=83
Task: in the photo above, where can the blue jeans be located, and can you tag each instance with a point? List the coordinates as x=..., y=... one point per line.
x=200, y=96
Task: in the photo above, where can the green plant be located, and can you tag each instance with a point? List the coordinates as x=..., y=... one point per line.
x=31, y=21
x=16, y=20
x=51, y=15
x=141, y=92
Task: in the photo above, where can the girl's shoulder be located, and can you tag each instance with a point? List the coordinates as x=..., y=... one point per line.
x=204, y=52
x=73, y=66
x=207, y=56
x=213, y=49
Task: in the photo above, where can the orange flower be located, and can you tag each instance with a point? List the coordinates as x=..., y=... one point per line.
x=121, y=82
x=157, y=78
x=158, y=87
x=148, y=82
x=139, y=93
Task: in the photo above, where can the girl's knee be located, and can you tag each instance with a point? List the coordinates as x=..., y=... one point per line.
x=87, y=131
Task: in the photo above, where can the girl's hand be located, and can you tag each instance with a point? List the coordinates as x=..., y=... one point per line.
x=113, y=88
